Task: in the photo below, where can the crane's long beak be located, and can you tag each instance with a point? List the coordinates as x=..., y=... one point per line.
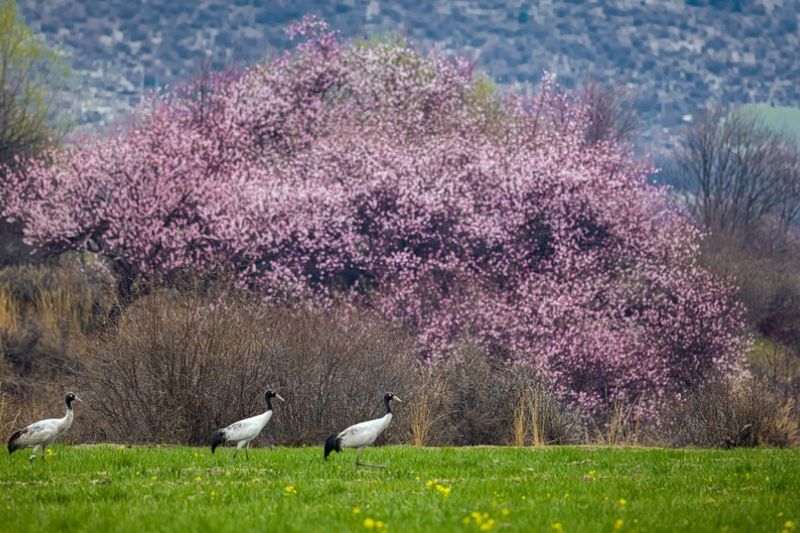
x=278, y=396
x=398, y=399
x=78, y=399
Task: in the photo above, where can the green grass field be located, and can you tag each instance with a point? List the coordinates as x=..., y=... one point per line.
x=100, y=488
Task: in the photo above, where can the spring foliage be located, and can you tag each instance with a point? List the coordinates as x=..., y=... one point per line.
x=368, y=173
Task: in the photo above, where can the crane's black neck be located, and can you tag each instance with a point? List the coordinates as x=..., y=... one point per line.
x=69, y=404
x=269, y=402
x=388, y=405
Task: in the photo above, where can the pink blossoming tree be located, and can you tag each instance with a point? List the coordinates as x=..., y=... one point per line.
x=368, y=173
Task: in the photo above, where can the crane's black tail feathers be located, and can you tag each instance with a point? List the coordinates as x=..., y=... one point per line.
x=217, y=439
x=333, y=443
x=13, y=444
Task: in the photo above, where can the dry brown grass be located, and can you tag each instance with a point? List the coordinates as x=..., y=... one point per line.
x=9, y=311
x=425, y=410
x=527, y=422
x=47, y=313
x=622, y=427
x=539, y=419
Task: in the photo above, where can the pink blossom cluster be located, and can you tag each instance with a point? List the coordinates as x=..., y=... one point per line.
x=370, y=174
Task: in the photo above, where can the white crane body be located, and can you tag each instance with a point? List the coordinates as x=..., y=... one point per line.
x=361, y=435
x=245, y=430
x=43, y=433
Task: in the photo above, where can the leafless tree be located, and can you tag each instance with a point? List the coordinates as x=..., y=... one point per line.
x=739, y=175
x=611, y=113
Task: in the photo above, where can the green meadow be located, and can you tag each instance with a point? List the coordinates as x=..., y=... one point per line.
x=105, y=487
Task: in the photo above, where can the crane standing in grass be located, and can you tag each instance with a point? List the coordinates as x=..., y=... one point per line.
x=42, y=434
x=363, y=434
x=245, y=430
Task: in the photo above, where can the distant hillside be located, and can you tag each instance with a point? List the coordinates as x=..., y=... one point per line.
x=675, y=55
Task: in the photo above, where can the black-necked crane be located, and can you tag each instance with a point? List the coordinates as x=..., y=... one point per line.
x=361, y=435
x=41, y=434
x=243, y=431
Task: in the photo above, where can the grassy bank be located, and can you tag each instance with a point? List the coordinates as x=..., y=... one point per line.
x=446, y=489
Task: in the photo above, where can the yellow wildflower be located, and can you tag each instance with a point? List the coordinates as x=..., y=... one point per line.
x=198, y=478
x=369, y=523
x=290, y=489
x=486, y=526
x=556, y=526
x=378, y=524
x=618, y=523
x=622, y=502
x=356, y=510
x=505, y=512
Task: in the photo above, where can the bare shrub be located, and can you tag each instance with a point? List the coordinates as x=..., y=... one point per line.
x=181, y=364
x=732, y=414
x=9, y=414
x=336, y=366
x=488, y=401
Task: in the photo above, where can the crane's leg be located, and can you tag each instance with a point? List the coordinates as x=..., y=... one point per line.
x=247, y=447
x=359, y=463
x=33, y=455
x=44, y=451
x=239, y=446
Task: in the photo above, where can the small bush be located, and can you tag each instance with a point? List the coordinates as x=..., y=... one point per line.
x=474, y=399
x=732, y=414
